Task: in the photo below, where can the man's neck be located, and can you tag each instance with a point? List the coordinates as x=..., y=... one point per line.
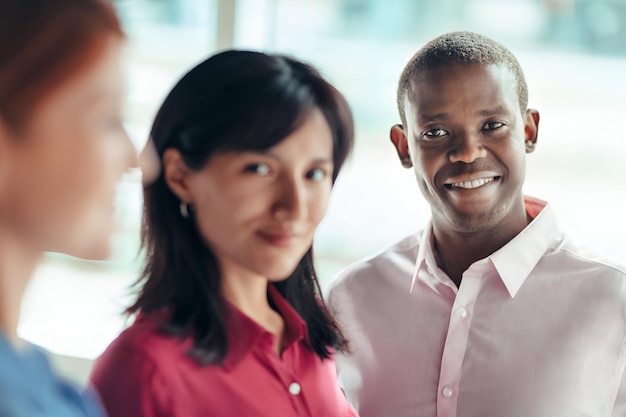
x=456, y=252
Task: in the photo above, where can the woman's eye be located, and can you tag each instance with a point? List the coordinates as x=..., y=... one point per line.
x=493, y=125
x=259, y=169
x=435, y=133
x=316, y=175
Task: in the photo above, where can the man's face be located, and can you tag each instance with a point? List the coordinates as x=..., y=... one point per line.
x=466, y=138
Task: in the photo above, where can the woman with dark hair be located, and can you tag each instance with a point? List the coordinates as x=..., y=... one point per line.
x=62, y=151
x=230, y=317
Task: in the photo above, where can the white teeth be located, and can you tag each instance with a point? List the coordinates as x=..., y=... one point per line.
x=472, y=184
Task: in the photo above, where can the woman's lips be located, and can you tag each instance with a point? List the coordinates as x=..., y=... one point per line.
x=278, y=239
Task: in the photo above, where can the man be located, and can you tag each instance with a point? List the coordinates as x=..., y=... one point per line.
x=490, y=311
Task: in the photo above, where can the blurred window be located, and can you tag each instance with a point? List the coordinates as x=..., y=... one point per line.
x=574, y=56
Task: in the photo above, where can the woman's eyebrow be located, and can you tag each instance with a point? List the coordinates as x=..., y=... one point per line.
x=268, y=153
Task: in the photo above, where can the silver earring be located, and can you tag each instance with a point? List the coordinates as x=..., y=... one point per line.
x=184, y=210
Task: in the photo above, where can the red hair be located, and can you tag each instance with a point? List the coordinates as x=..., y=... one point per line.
x=45, y=42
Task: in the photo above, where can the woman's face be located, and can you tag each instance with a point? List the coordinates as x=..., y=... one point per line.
x=60, y=170
x=258, y=211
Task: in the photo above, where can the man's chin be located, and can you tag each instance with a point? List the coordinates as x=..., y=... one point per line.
x=471, y=221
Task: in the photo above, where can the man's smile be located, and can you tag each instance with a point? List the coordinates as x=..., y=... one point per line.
x=470, y=182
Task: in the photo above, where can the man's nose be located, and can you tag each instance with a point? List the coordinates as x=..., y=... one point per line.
x=467, y=147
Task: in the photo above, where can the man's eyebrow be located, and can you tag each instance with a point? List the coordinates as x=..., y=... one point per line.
x=426, y=118
x=492, y=112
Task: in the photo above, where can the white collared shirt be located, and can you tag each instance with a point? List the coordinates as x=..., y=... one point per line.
x=537, y=329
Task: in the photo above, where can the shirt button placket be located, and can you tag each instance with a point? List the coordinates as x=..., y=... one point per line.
x=456, y=342
x=294, y=388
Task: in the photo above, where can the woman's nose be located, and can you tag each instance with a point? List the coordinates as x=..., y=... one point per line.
x=291, y=201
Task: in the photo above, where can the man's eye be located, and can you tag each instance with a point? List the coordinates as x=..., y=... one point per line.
x=316, y=175
x=493, y=125
x=435, y=133
x=259, y=169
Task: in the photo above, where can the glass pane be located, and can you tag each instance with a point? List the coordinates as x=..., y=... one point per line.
x=574, y=56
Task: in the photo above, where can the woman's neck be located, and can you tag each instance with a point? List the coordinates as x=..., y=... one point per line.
x=17, y=263
x=249, y=295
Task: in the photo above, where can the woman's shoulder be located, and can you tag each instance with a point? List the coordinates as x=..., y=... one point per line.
x=147, y=337
x=141, y=351
x=132, y=374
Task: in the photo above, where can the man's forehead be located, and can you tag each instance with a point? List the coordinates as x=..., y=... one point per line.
x=502, y=73
x=435, y=81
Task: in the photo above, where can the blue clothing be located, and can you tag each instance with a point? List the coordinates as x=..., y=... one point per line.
x=29, y=388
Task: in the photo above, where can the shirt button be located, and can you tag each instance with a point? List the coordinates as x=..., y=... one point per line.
x=462, y=312
x=294, y=388
x=447, y=392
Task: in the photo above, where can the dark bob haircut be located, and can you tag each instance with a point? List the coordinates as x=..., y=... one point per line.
x=234, y=101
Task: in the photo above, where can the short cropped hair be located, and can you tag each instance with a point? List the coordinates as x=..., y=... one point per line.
x=460, y=48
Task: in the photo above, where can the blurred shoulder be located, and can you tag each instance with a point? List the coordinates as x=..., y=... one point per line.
x=393, y=265
x=144, y=342
x=590, y=261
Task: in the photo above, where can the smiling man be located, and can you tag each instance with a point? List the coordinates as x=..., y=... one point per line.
x=491, y=310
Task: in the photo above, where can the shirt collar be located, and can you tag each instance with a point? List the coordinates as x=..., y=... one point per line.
x=515, y=260
x=244, y=333
x=425, y=255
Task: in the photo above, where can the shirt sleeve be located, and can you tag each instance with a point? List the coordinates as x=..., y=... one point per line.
x=130, y=385
x=619, y=408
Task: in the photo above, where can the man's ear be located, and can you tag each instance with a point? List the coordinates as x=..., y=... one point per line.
x=177, y=173
x=398, y=138
x=531, y=129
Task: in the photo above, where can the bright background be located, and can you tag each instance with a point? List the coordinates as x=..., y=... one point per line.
x=574, y=56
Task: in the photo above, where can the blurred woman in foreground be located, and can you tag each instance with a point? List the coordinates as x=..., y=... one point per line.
x=62, y=151
x=231, y=321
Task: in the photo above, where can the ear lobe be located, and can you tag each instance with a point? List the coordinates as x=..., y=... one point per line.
x=176, y=173
x=398, y=138
x=531, y=129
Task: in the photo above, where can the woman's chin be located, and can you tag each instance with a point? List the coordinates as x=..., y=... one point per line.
x=94, y=250
x=280, y=273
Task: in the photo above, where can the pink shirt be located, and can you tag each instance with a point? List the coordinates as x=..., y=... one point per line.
x=145, y=373
x=537, y=329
